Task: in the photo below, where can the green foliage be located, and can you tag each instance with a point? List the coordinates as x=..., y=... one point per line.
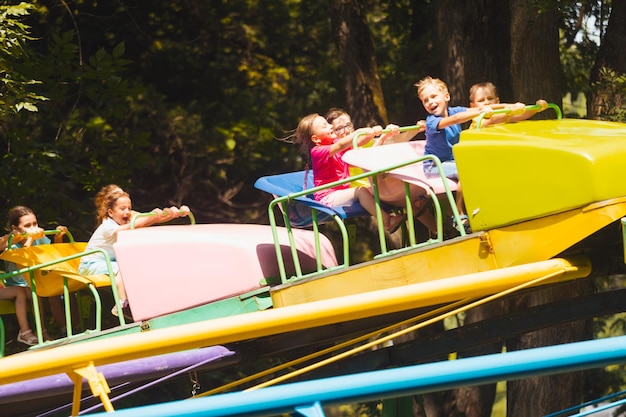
x=16, y=89
x=613, y=86
x=579, y=42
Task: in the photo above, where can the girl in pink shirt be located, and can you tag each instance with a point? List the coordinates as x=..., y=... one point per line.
x=316, y=138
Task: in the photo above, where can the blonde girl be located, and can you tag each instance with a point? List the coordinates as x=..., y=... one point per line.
x=114, y=213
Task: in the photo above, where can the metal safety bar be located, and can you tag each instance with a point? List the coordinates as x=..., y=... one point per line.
x=136, y=216
x=284, y=200
x=45, y=233
x=557, y=110
x=355, y=142
x=30, y=270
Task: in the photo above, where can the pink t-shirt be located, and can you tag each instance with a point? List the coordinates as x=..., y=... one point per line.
x=326, y=169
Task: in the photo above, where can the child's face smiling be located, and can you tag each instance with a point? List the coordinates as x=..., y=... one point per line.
x=434, y=100
x=322, y=132
x=121, y=211
x=342, y=126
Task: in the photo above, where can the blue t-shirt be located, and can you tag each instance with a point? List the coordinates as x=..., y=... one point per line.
x=440, y=142
x=18, y=280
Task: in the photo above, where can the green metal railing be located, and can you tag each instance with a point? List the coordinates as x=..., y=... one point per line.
x=557, y=110
x=283, y=202
x=30, y=271
x=69, y=235
x=355, y=142
x=136, y=216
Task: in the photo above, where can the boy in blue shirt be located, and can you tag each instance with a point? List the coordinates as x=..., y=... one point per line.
x=443, y=130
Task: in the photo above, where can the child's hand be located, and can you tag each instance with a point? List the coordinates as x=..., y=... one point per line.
x=32, y=234
x=170, y=213
x=184, y=211
x=395, y=129
x=157, y=218
x=422, y=125
x=35, y=233
x=488, y=112
x=542, y=103
x=364, y=135
x=58, y=238
x=517, y=108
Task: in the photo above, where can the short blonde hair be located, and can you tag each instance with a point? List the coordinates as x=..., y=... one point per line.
x=486, y=85
x=436, y=82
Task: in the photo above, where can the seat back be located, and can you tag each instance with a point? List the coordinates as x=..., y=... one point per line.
x=48, y=279
x=299, y=208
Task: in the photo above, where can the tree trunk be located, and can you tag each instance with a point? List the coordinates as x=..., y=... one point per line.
x=515, y=46
x=535, y=73
x=543, y=395
x=604, y=97
x=475, y=43
x=364, y=93
x=535, y=62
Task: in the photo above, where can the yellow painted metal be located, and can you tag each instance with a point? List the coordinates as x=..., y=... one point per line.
x=375, y=338
x=97, y=384
x=547, y=237
x=279, y=320
x=454, y=258
x=461, y=307
x=519, y=171
x=522, y=243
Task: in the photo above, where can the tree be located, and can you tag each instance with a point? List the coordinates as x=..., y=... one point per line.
x=508, y=43
x=535, y=50
x=16, y=90
x=608, y=76
x=364, y=94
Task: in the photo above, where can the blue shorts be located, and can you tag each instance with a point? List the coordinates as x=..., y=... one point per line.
x=448, y=167
x=97, y=267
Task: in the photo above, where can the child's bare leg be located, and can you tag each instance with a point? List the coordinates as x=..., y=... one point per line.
x=394, y=193
x=460, y=206
x=29, y=298
x=21, y=309
x=57, y=309
x=121, y=290
x=366, y=199
x=427, y=219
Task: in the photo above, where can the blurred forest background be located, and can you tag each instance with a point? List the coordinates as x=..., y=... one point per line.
x=183, y=102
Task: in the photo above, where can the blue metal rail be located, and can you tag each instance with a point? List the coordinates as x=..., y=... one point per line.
x=306, y=398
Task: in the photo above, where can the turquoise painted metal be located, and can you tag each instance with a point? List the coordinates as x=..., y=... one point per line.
x=302, y=397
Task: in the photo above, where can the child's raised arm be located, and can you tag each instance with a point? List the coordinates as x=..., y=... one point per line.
x=529, y=113
x=465, y=116
x=517, y=114
x=365, y=134
x=160, y=216
x=395, y=130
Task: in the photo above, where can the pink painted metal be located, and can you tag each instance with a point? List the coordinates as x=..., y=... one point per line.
x=379, y=157
x=175, y=267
